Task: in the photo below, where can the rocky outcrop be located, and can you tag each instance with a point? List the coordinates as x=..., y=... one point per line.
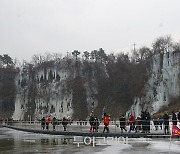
x=59, y=89
x=163, y=83
x=74, y=88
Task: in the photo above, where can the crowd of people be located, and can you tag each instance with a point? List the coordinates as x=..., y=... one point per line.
x=137, y=124
x=95, y=122
x=45, y=121
x=142, y=123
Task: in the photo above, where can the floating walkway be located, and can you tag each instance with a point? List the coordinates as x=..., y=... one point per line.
x=94, y=134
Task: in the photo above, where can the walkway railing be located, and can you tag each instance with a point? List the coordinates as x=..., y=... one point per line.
x=84, y=126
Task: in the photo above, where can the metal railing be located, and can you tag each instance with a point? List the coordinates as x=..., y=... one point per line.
x=84, y=126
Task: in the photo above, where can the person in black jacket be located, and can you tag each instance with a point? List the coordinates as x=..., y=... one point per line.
x=166, y=123
x=174, y=118
x=96, y=124
x=148, y=122
x=54, y=123
x=122, y=120
x=161, y=122
x=143, y=118
x=91, y=122
x=178, y=116
x=43, y=122
x=64, y=123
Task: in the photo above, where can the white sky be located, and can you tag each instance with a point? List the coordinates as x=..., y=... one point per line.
x=29, y=27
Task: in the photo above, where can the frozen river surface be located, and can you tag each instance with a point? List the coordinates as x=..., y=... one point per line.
x=17, y=142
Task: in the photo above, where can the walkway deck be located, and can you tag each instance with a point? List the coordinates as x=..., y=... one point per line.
x=85, y=134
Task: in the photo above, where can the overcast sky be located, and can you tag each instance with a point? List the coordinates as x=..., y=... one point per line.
x=29, y=27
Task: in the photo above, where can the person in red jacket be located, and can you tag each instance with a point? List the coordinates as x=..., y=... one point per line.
x=131, y=122
x=48, y=120
x=106, y=123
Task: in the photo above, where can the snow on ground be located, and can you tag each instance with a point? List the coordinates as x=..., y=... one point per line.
x=164, y=146
x=114, y=147
x=21, y=134
x=153, y=145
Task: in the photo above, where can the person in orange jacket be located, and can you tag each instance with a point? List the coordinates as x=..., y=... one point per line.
x=106, y=122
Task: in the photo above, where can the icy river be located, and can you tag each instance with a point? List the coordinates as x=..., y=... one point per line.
x=17, y=142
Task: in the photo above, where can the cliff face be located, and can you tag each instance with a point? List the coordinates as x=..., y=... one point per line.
x=163, y=83
x=7, y=91
x=65, y=88
x=73, y=88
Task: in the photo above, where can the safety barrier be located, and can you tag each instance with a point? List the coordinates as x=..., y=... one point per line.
x=84, y=127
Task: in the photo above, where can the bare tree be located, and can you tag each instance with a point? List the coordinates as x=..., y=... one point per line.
x=144, y=53
x=102, y=55
x=38, y=59
x=76, y=53
x=94, y=55
x=48, y=56
x=162, y=44
x=57, y=57
x=176, y=47
x=86, y=55
x=111, y=58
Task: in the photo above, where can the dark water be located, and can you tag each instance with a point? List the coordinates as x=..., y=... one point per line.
x=17, y=142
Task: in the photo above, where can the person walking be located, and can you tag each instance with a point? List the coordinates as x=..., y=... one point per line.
x=64, y=123
x=96, y=124
x=156, y=123
x=54, y=123
x=48, y=120
x=174, y=118
x=160, y=121
x=122, y=120
x=143, y=118
x=138, y=124
x=43, y=122
x=131, y=122
x=106, y=123
x=91, y=122
x=166, y=123
x=148, y=122
x=178, y=116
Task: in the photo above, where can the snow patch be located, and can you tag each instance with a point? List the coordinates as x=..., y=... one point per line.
x=114, y=147
x=163, y=146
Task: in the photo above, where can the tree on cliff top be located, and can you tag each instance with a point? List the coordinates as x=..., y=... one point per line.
x=162, y=44
x=6, y=60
